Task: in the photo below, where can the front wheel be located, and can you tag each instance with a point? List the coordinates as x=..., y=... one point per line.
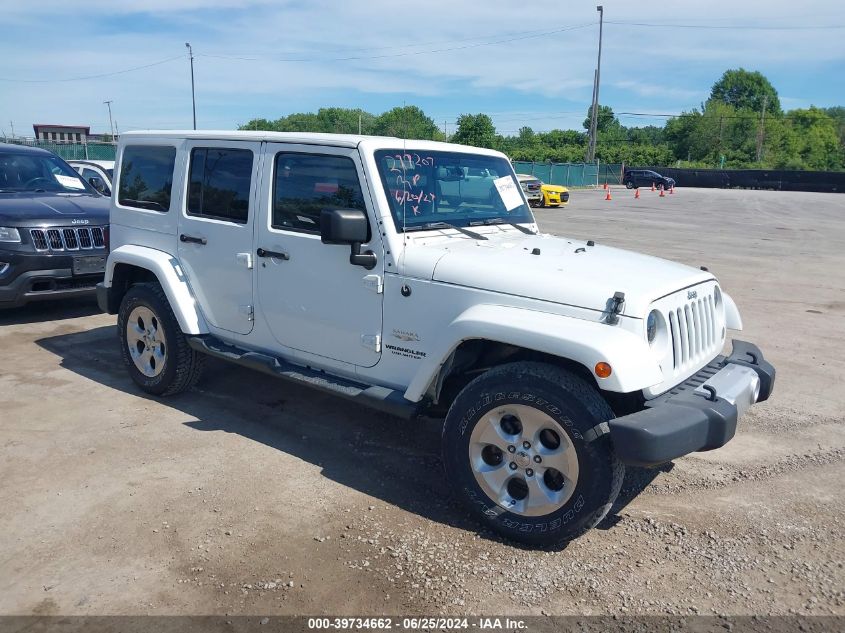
x=153, y=346
x=522, y=450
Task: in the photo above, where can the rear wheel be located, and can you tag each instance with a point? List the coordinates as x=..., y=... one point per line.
x=521, y=451
x=629, y=184
x=153, y=346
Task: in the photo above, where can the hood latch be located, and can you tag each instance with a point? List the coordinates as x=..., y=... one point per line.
x=614, y=308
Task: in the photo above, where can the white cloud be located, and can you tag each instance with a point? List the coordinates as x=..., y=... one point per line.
x=667, y=68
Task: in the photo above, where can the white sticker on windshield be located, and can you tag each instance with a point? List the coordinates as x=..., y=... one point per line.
x=509, y=191
x=69, y=181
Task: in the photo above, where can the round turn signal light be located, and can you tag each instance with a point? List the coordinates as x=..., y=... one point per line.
x=603, y=370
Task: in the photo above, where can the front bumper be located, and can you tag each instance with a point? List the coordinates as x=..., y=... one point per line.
x=699, y=414
x=41, y=276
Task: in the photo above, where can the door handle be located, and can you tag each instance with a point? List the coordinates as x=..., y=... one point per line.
x=278, y=255
x=194, y=240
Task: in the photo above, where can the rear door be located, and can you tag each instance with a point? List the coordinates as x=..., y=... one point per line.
x=216, y=230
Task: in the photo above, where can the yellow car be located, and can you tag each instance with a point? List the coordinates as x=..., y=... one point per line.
x=540, y=194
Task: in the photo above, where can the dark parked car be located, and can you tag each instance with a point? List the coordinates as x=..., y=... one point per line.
x=53, y=228
x=645, y=178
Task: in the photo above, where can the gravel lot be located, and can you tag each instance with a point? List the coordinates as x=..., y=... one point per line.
x=253, y=496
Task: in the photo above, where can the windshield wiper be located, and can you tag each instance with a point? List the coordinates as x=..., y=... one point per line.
x=445, y=225
x=145, y=204
x=490, y=221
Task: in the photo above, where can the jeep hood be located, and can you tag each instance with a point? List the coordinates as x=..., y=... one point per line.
x=565, y=271
x=35, y=208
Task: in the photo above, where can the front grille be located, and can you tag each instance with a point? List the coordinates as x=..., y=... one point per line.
x=97, y=233
x=71, y=241
x=71, y=238
x=692, y=334
x=693, y=331
x=38, y=239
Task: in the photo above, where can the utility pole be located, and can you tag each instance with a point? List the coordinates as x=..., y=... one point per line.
x=760, y=135
x=111, y=124
x=721, y=130
x=193, y=96
x=359, y=124
x=594, y=119
x=589, y=154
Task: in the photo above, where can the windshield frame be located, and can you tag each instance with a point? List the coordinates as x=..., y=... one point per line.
x=48, y=161
x=474, y=215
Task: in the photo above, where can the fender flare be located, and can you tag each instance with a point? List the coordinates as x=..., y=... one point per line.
x=733, y=320
x=170, y=275
x=585, y=342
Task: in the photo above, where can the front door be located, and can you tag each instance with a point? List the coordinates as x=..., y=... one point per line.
x=311, y=297
x=216, y=230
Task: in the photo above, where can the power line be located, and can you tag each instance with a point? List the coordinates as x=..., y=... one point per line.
x=392, y=55
x=654, y=115
x=98, y=76
x=524, y=36
x=407, y=45
x=743, y=27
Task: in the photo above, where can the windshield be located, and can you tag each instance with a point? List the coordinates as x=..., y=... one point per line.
x=450, y=187
x=38, y=172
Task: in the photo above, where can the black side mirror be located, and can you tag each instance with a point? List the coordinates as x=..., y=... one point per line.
x=99, y=185
x=348, y=226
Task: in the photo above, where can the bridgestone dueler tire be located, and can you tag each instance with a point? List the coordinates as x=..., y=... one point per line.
x=569, y=400
x=182, y=366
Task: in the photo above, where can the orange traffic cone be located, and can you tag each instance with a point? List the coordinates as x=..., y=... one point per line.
x=608, y=196
x=662, y=194
x=652, y=186
x=637, y=193
x=605, y=185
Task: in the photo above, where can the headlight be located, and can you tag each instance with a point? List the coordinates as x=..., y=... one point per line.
x=9, y=234
x=651, y=326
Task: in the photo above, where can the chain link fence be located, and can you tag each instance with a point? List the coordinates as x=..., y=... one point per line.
x=72, y=151
x=571, y=174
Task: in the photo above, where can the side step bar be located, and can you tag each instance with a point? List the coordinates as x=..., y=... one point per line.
x=388, y=400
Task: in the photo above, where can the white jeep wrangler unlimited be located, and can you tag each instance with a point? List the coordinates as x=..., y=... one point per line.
x=377, y=270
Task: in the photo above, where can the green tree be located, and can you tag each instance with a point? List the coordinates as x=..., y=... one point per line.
x=407, y=122
x=746, y=90
x=475, y=129
x=606, y=119
x=818, y=141
x=837, y=113
x=331, y=120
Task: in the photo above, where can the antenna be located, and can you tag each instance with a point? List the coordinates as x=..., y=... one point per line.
x=404, y=189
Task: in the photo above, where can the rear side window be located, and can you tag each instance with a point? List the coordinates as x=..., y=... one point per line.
x=219, y=183
x=305, y=184
x=146, y=176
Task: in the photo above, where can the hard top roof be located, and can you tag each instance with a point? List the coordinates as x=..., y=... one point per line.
x=306, y=138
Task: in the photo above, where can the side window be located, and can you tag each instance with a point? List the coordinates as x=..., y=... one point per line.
x=146, y=176
x=89, y=173
x=219, y=183
x=305, y=184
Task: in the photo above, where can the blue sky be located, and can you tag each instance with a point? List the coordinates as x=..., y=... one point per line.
x=525, y=63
